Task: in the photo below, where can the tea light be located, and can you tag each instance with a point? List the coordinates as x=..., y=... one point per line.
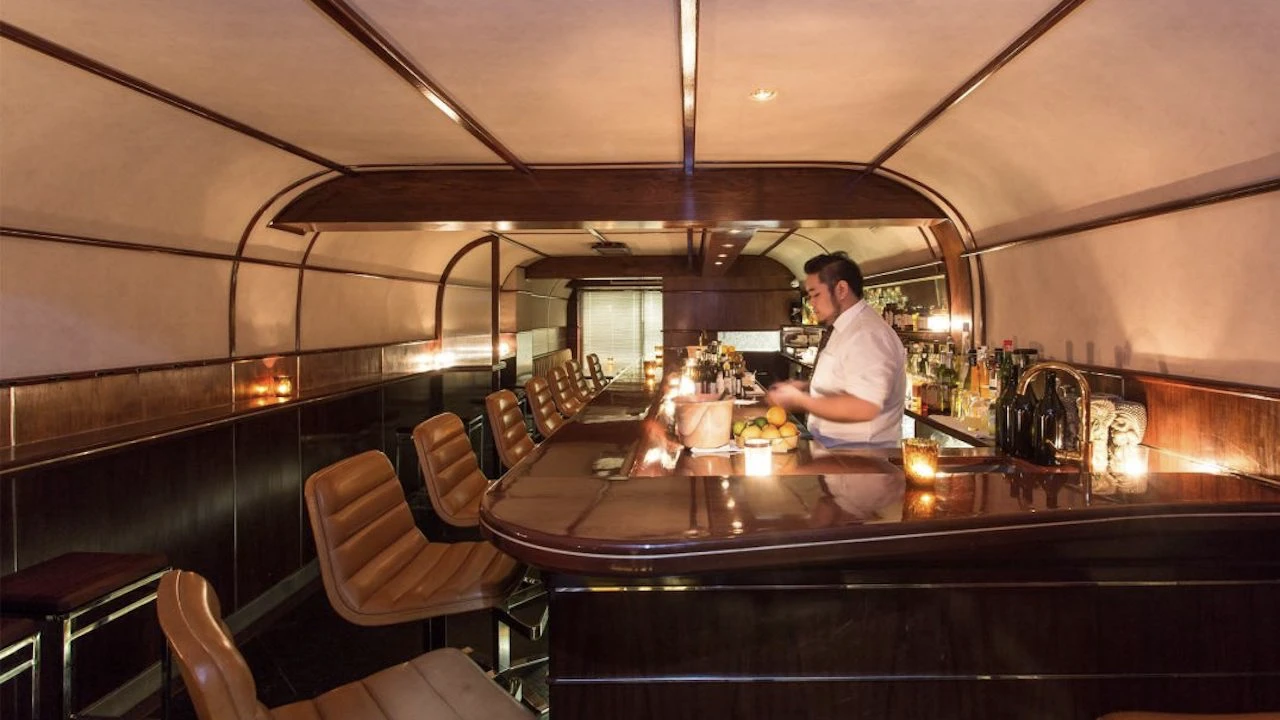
x=283, y=386
x=759, y=457
x=920, y=459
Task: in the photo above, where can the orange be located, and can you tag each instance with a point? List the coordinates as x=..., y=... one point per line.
x=776, y=415
x=770, y=433
x=788, y=430
x=750, y=431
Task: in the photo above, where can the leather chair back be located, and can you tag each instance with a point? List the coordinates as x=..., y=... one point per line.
x=509, y=431
x=566, y=399
x=215, y=673
x=543, y=406
x=577, y=381
x=363, y=528
x=449, y=468
x=595, y=371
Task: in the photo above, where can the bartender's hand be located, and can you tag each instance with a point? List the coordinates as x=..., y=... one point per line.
x=791, y=395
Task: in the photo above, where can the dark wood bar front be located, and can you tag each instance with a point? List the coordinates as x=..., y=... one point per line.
x=681, y=587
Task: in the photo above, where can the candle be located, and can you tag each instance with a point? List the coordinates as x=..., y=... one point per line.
x=283, y=386
x=920, y=460
x=759, y=457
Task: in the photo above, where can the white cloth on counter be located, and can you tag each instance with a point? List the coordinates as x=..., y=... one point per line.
x=729, y=447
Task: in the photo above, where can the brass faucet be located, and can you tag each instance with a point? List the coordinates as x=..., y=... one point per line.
x=1085, y=454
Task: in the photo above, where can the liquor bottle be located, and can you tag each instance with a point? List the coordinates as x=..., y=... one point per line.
x=1050, y=426
x=1024, y=411
x=1002, y=408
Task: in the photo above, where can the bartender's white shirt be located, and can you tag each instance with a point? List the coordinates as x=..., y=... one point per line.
x=863, y=358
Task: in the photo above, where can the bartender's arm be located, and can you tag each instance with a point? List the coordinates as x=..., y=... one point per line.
x=837, y=407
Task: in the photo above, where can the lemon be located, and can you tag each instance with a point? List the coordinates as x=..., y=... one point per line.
x=770, y=433
x=776, y=416
x=749, y=432
x=788, y=429
x=738, y=426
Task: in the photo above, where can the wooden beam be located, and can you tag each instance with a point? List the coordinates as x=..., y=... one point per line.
x=599, y=266
x=606, y=199
x=959, y=282
x=721, y=249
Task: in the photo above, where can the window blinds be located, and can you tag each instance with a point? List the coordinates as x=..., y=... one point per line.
x=625, y=325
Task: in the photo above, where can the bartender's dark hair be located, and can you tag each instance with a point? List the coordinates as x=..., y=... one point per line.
x=833, y=268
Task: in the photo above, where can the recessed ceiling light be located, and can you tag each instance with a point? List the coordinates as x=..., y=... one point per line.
x=723, y=255
x=727, y=245
x=763, y=94
x=719, y=263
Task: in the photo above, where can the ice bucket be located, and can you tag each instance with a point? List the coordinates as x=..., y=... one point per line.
x=704, y=421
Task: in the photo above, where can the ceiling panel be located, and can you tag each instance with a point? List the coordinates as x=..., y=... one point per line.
x=421, y=254
x=554, y=80
x=850, y=76
x=1124, y=105
x=84, y=156
x=876, y=248
x=579, y=242
x=281, y=67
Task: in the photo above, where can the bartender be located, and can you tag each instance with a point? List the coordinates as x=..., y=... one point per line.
x=859, y=378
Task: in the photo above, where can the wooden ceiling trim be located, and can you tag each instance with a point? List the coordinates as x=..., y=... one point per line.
x=444, y=279
x=350, y=20
x=517, y=243
x=1165, y=208
x=1005, y=56
x=82, y=62
x=779, y=241
x=592, y=266
x=689, y=12
x=607, y=199
x=721, y=249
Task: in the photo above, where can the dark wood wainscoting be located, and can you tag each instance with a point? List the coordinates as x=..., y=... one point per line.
x=919, y=646
x=225, y=502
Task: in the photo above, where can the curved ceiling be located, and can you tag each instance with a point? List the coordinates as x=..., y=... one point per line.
x=1118, y=105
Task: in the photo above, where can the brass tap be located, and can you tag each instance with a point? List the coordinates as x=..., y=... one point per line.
x=1085, y=454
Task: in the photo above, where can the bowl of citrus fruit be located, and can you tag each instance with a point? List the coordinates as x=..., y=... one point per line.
x=782, y=434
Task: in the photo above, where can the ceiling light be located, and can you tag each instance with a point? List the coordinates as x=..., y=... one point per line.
x=763, y=94
x=727, y=245
x=719, y=263
x=723, y=255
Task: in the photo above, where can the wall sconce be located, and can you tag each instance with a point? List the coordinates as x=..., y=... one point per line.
x=283, y=386
x=504, y=348
x=920, y=460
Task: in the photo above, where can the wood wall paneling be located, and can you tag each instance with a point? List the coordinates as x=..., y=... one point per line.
x=333, y=368
x=1238, y=429
x=331, y=431
x=268, y=492
x=1065, y=699
x=6, y=414
x=959, y=282
x=556, y=197
x=8, y=553
x=172, y=392
x=176, y=497
x=66, y=408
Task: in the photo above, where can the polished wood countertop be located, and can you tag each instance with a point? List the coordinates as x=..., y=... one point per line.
x=613, y=494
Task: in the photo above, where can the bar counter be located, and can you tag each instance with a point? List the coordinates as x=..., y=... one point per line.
x=681, y=587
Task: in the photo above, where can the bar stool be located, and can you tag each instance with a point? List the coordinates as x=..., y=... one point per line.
x=546, y=418
x=71, y=596
x=379, y=569
x=566, y=400
x=509, y=431
x=579, y=382
x=439, y=684
x=450, y=470
x=596, y=372
x=20, y=655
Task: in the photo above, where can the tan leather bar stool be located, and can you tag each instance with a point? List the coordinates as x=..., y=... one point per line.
x=579, y=382
x=440, y=684
x=71, y=596
x=509, y=431
x=546, y=418
x=379, y=569
x=566, y=400
x=20, y=666
x=449, y=469
x=596, y=372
